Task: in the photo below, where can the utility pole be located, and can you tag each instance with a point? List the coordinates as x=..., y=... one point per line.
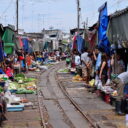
x=78, y=15
x=17, y=15
x=84, y=29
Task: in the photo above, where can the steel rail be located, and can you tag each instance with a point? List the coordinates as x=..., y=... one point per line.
x=86, y=116
x=39, y=104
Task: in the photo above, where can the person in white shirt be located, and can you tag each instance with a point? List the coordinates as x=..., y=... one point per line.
x=119, y=84
x=77, y=59
x=85, y=60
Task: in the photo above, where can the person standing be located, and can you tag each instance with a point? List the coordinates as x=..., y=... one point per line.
x=97, y=57
x=119, y=84
x=84, y=60
x=77, y=59
x=104, y=69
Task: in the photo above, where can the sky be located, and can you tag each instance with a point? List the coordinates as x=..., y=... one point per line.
x=34, y=15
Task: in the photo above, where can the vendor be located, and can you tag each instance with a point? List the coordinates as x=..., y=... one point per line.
x=120, y=65
x=85, y=61
x=103, y=69
x=21, y=58
x=28, y=60
x=119, y=84
x=98, y=60
x=39, y=57
x=77, y=59
x=9, y=73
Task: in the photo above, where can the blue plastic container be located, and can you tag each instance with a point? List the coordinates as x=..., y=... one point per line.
x=126, y=90
x=2, y=84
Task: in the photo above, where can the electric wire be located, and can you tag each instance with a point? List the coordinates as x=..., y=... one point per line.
x=7, y=8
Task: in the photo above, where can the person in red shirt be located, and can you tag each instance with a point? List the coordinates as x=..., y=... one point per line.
x=28, y=60
x=9, y=73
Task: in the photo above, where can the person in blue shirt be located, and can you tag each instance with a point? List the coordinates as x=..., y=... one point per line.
x=97, y=56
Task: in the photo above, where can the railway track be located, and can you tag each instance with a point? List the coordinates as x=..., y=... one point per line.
x=87, y=118
x=41, y=98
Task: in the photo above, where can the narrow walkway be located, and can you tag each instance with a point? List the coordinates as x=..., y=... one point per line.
x=99, y=111
x=30, y=117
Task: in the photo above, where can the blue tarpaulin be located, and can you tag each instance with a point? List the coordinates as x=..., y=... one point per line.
x=103, y=24
x=1, y=52
x=80, y=43
x=25, y=44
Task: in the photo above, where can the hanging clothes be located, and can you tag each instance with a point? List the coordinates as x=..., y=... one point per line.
x=1, y=52
x=102, y=30
x=74, y=46
x=35, y=45
x=19, y=43
x=8, y=39
x=80, y=43
x=25, y=44
x=30, y=50
x=91, y=38
x=46, y=45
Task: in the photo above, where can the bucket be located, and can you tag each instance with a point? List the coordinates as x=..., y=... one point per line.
x=98, y=92
x=102, y=95
x=112, y=100
x=73, y=73
x=107, y=98
x=2, y=84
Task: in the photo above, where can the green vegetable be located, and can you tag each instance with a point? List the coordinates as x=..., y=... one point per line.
x=29, y=79
x=20, y=75
x=19, y=78
x=13, y=86
x=24, y=91
x=1, y=89
x=64, y=70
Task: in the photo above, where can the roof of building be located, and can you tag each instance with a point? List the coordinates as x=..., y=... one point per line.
x=118, y=13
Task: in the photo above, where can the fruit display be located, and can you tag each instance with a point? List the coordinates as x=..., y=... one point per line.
x=77, y=78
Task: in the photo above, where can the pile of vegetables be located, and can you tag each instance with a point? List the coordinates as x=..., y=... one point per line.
x=1, y=89
x=63, y=70
x=20, y=78
x=24, y=91
x=23, y=85
x=13, y=86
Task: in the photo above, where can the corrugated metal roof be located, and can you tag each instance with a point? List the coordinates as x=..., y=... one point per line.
x=118, y=13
